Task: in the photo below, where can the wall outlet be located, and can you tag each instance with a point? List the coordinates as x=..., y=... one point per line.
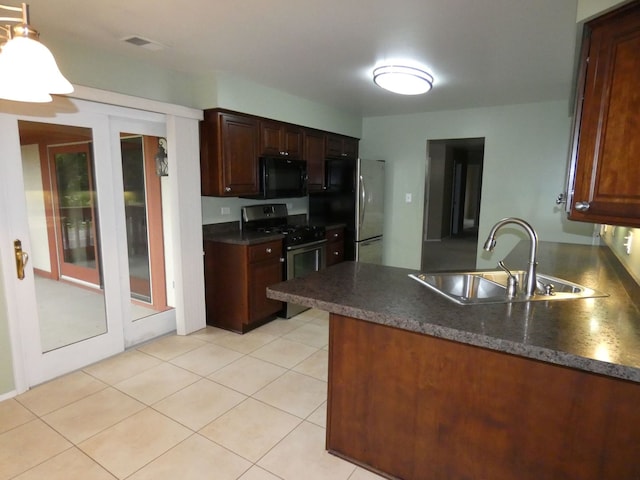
x=407, y=198
x=225, y=211
x=628, y=245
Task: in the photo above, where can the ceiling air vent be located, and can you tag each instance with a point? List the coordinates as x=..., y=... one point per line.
x=144, y=43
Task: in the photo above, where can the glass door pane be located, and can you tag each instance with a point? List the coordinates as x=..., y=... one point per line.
x=144, y=222
x=74, y=202
x=57, y=164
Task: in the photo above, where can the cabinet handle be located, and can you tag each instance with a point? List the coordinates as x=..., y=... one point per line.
x=281, y=259
x=582, y=206
x=227, y=189
x=269, y=250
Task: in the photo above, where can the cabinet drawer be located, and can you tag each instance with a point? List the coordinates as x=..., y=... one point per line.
x=334, y=235
x=335, y=253
x=264, y=251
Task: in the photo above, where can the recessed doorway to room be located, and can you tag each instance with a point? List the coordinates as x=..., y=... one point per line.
x=452, y=203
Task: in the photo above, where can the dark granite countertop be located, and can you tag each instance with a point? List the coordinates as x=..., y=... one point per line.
x=242, y=238
x=600, y=335
x=230, y=232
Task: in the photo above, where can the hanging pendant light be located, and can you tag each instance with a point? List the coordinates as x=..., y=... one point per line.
x=28, y=71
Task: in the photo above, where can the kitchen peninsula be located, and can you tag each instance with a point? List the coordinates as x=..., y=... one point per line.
x=422, y=388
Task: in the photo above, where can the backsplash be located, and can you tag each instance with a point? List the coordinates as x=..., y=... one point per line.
x=624, y=242
x=213, y=207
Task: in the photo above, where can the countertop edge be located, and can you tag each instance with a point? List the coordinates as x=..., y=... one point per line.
x=557, y=357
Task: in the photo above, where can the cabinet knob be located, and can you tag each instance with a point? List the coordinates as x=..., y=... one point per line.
x=269, y=250
x=582, y=206
x=227, y=189
x=336, y=253
x=336, y=235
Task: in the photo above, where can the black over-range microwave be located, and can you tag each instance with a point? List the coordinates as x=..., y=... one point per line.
x=282, y=177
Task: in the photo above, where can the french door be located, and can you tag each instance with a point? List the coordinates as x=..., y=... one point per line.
x=63, y=198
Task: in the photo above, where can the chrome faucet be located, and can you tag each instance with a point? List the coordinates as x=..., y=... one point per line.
x=530, y=280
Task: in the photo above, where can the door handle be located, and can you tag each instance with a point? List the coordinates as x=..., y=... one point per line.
x=21, y=258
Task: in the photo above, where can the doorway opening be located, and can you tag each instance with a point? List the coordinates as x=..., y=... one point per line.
x=452, y=203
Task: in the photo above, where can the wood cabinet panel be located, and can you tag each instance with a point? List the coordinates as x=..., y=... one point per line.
x=236, y=278
x=335, y=246
x=263, y=274
x=228, y=154
x=607, y=170
x=339, y=146
x=280, y=139
x=406, y=404
x=314, y=154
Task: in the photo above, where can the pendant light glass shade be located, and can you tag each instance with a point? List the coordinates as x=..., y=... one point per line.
x=28, y=71
x=402, y=79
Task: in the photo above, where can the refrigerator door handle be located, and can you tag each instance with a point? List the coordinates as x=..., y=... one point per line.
x=363, y=203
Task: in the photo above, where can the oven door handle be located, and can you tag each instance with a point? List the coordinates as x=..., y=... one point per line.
x=306, y=245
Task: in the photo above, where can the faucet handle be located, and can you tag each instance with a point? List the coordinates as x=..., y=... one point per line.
x=512, y=281
x=504, y=267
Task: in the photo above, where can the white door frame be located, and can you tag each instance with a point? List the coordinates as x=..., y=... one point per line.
x=185, y=214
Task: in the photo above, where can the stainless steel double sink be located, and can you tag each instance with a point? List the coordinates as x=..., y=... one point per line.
x=485, y=287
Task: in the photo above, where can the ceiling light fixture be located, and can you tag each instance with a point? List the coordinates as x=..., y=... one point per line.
x=403, y=79
x=28, y=71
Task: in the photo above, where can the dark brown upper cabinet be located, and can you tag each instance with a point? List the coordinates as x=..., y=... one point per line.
x=339, y=146
x=231, y=144
x=228, y=154
x=280, y=139
x=604, y=175
x=314, y=154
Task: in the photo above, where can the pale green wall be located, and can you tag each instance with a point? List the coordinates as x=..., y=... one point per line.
x=228, y=91
x=526, y=148
x=588, y=9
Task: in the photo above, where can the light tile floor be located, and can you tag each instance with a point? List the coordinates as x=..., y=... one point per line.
x=212, y=405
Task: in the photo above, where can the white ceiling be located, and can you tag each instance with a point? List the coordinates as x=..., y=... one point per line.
x=481, y=52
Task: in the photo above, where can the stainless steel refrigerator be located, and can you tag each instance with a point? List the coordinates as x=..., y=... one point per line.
x=354, y=196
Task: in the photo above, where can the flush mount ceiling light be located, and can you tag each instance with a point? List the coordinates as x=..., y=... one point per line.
x=403, y=79
x=28, y=71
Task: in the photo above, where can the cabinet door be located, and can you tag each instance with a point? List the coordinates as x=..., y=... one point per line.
x=270, y=141
x=607, y=170
x=339, y=146
x=280, y=139
x=261, y=275
x=314, y=155
x=293, y=141
x=334, y=146
x=239, y=138
x=350, y=147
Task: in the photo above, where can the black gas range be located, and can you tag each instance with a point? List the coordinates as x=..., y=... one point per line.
x=274, y=218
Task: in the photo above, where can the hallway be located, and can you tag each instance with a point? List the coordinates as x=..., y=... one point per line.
x=451, y=253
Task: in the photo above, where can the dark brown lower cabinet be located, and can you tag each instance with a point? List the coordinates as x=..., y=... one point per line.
x=236, y=279
x=416, y=407
x=335, y=245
